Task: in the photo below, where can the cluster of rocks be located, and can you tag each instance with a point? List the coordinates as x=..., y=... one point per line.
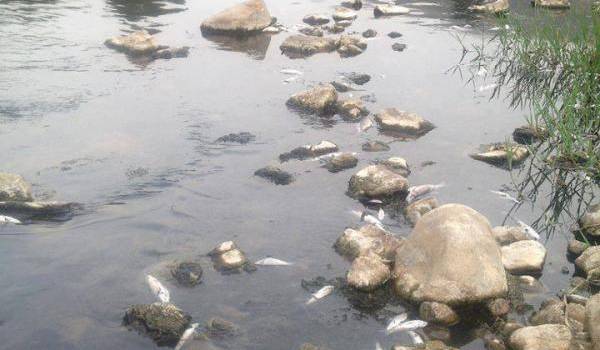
x=503, y=6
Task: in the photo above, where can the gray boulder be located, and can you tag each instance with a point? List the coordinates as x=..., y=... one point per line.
x=321, y=99
x=509, y=234
x=316, y=19
x=491, y=7
x=398, y=165
x=351, y=109
x=414, y=211
x=377, y=181
x=404, y=124
x=349, y=46
x=187, y=274
x=275, y=175
x=375, y=146
x=14, y=188
x=451, y=257
x=247, y=17
x=163, y=322
x=438, y=313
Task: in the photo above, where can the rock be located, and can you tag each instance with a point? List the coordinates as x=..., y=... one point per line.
x=509, y=234
x=353, y=4
x=589, y=223
x=390, y=10
x=352, y=109
x=219, y=328
x=575, y=312
x=552, y=4
x=414, y=211
x=576, y=247
x=451, y=257
x=241, y=137
x=321, y=99
x=312, y=31
x=398, y=47
x=369, y=239
x=375, y=146
x=275, y=175
x=369, y=33
x=349, y=46
x=498, y=307
x=188, y=273
x=296, y=46
x=368, y=272
x=403, y=123
x=316, y=19
x=502, y=154
x=544, y=337
x=309, y=346
x=589, y=263
x=14, y=188
x=231, y=260
x=429, y=345
x=493, y=342
x=335, y=29
x=247, y=17
x=592, y=320
x=342, y=86
x=394, y=35
x=163, y=322
x=526, y=135
x=438, y=313
x=377, y=181
x=309, y=151
x=524, y=257
x=343, y=14
x=136, y=43
x=492, y=7
x=552, y=311
x=341, y=162
x=39, y=209
x=398, y=165
x=349, y=50
x=358, y=78
x=223, y=248
x=171, y=52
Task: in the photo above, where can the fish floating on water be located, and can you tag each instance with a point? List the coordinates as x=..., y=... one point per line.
x=187, y=334
x=378, y=346
x=381, y=214
x=375, y=202
x=529, y=231
x=158, y=289
x=407, y=326
x=364, y=125
x=9, y=220
x=320, y=294
x=396, y=321
x=368, y=218
x=415, y=337
x=272, y=262
x=506, y=196
x=415, y=192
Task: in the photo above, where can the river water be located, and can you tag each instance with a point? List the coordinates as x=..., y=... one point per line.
x=134, y=142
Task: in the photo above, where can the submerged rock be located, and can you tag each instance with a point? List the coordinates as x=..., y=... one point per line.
x=247, y=17
x=589, y=263
x=438, y=313
x=451, y=257
x=163, y=322
x=335, y=29
x=526, y=135
x=544, y=337
x=394, y=35
x=40, y=208
x=390, y=10
x=502, y=154
x=136, y=43
x=576, y=248
x=552, y=4
x=403, y=123
x=589, y=223
x=377, y=181
x=398, y=47
x=188, y=273
x=398, y=165
x=241, y=137
x=309, y=151
x=375, y=146
x=275, y=175
x=312, y=31
x=353, y=4
x=349, y=46
x=297, y=46
x=352, y=109
x=321, y=99
x=368, y=272
x=524, y=257
x=369, y=239
x=509, y=234
x=341, y=162
x=358, y=78
x=492, y=7
x=171, y=52
x=369, y=33
x=316, y=19
x=14, y=188
x=414, y=211
x=218, y=328
x=343, y=14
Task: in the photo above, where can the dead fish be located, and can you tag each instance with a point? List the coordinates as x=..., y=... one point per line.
x=364, y=125
x=482, y=71
x=272, y=262
x=158, y=289
x=375, y=202
x=415, y=192
x=320, y=294
x=9, y=220
x=396, y=321
x=487, y=87
x=415, y=337
x=291, y=72
x=378, y=346
x=408, y=326
x=529, y=231
x=187, y=334
x=368, y=218
x=381, y=214
x=506, y=196
x=290, y=79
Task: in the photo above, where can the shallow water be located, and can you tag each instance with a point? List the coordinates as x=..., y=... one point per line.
x=134, y=142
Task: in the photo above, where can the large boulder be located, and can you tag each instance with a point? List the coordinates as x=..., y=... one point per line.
x=368, y=272
x=297, y=46
x=544, y=337
x=136, y=43
x=247, y=17
x=451, y=257
x=552, y=4
x=14, y=188
x=592, y=320
x=369, y=239
x=377, y=181
x=403, y=123
x=321, y=99
x=590, y=221
x=163, y=322
x=524, y=257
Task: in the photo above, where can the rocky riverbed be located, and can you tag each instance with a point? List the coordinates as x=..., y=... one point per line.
x=301, y=175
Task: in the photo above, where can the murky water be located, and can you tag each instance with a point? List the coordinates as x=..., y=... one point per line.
x=134, y=142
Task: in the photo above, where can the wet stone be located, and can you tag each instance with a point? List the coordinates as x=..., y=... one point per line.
x=375, y=146
x=589, y=223
x=576, y=247
x=398, y=165
x=352, y=109
x=223, y=248
x=509, y=234
x=342, y=86
x=394, y=35
x=219, y=328
x=369, y=239
x=136, y=43
x=309, y=151
x=377, y=181
x=316, y=19
x=163, y=322
x=14, y=188
x=40, y=208
x=353, y=4
x=498, y=307
x=335, y=29
x=589, y=263
x=399, y=47
x=544, y=337
x=390, y=10
x=341, y=162
x=414, y=211
x=369, y=33
x=552, y=311
x=502, y=154
x=358, y=78
x=343, y=14
x=526, y=135
x=275, y=175
x=243, y=137
x=552, y=4
x=491, y=7
x=321, y=99
x=188, y=273
x=297, y=46
x=171, y=52
x=231, y=260
x=349, y=46
x=438, y=313
x=592, y=320
x=524, y=257
x=312, y=31
x=403, y=123
x=368, y=272
x=244, y=18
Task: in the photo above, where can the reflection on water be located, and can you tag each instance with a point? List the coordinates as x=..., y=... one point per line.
x=134, y=10
x=255, y=46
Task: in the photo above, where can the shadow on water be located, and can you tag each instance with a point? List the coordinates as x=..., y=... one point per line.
x=255, y=46
x=135, y=10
